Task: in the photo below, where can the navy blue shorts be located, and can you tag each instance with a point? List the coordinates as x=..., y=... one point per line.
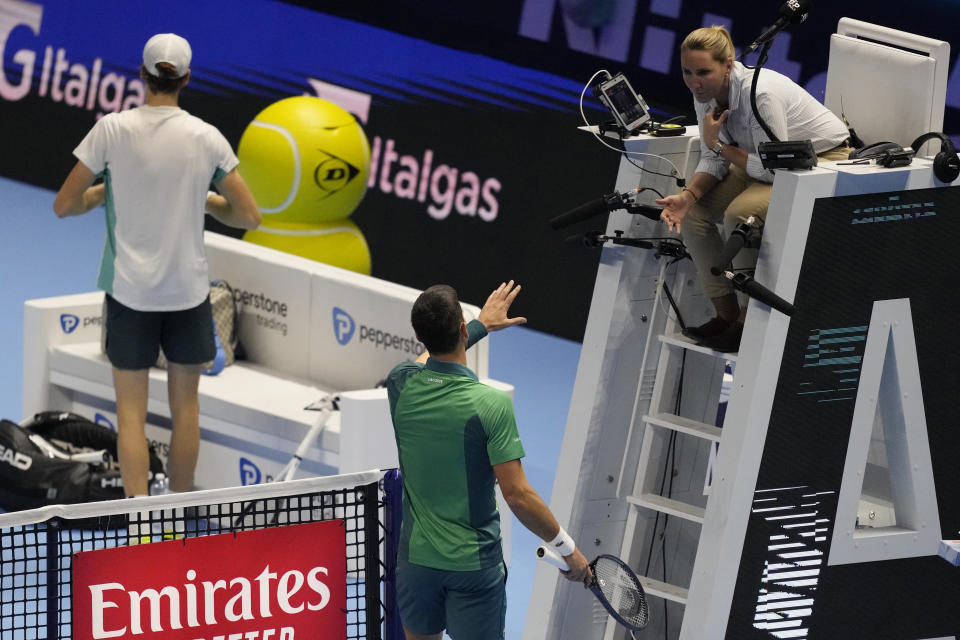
x=134, y=338
x=470, y=605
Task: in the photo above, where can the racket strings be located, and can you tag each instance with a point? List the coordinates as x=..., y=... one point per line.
x=621, y=592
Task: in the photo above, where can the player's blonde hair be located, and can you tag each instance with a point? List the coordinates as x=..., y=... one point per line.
x=714, y=40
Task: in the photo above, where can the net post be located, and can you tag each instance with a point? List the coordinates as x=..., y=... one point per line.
x=393, y=516
x=52, y=552
x=371, y=558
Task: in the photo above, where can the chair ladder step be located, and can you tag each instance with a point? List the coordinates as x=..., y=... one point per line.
x=663, y=590
x=668, y=506
x=682, y=341
x=685, y=425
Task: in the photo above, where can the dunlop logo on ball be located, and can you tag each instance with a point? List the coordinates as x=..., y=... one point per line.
x=334, y=173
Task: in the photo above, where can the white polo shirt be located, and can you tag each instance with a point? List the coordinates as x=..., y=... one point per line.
x=789, y=111
x=157, y=164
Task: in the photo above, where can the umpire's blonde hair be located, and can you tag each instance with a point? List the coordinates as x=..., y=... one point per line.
x=714, y=40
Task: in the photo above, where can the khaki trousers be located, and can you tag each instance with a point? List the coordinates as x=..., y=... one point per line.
x=730, y=202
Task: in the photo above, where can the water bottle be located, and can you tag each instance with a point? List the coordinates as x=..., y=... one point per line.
x=160, y=485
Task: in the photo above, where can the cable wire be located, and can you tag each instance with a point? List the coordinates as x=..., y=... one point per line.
x=639, y=189
x=676, y=175
x=641, y=167
x=667, y=308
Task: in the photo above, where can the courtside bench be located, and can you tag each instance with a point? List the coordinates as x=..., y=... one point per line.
x=309, y=329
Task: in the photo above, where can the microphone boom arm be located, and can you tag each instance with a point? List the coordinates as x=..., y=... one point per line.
x=668, y=247
x=606, y=204
x=746, y=234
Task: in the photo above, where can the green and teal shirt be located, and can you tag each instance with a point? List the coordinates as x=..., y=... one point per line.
x=450, y=430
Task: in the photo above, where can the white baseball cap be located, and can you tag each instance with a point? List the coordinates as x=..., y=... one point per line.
x=169, y=48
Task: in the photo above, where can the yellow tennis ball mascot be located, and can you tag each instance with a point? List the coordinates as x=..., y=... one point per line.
x=306, y=161
x=338, y=242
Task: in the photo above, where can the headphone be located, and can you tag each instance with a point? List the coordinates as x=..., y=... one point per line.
x=946, y=164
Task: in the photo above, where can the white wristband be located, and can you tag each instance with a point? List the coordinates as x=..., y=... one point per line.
x=562, y=544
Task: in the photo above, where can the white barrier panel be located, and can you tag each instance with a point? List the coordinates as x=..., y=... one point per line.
x=49, y=322
x=358, y=337
x=341, y=329
x=275, y=295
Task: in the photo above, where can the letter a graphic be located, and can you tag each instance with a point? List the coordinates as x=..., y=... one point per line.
x=890, y=402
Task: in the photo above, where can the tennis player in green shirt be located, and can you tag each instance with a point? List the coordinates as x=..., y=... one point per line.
x=457, y=438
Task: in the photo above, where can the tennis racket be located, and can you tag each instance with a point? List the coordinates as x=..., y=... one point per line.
x=614, y=584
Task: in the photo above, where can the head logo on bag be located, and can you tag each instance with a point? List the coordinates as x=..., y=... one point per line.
x=343, y=325
x=58, y=457
x=15, y=459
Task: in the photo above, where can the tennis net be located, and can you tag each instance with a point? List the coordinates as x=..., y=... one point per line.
x=103, y=569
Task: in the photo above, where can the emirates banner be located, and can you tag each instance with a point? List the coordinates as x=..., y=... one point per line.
x=283, y=583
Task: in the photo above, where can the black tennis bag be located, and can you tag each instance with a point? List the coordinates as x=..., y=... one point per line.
x=33, y=473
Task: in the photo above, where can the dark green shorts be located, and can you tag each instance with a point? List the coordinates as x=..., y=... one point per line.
x=134, y=337
x=470, y=605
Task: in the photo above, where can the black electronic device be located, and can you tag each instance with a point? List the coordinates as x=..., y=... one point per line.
x=946, y=164
x=885, y=154
x=627, y=107
x=875, y=150
x=792, y=154
x=895, y=158
x=665, y=129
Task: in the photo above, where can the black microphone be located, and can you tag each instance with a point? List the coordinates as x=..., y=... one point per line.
x=745, y=234
x=759, y=292
x=791, y=12
x=734, y=243
x=633, y=242
x=605, y=204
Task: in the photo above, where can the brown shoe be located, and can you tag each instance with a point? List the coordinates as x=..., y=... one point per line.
x=711, y=328
x=727, y=341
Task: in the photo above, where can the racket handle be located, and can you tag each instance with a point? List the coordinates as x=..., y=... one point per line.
x=552, y=557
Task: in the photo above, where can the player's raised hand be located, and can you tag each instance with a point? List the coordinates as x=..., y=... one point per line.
x=493, y=315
